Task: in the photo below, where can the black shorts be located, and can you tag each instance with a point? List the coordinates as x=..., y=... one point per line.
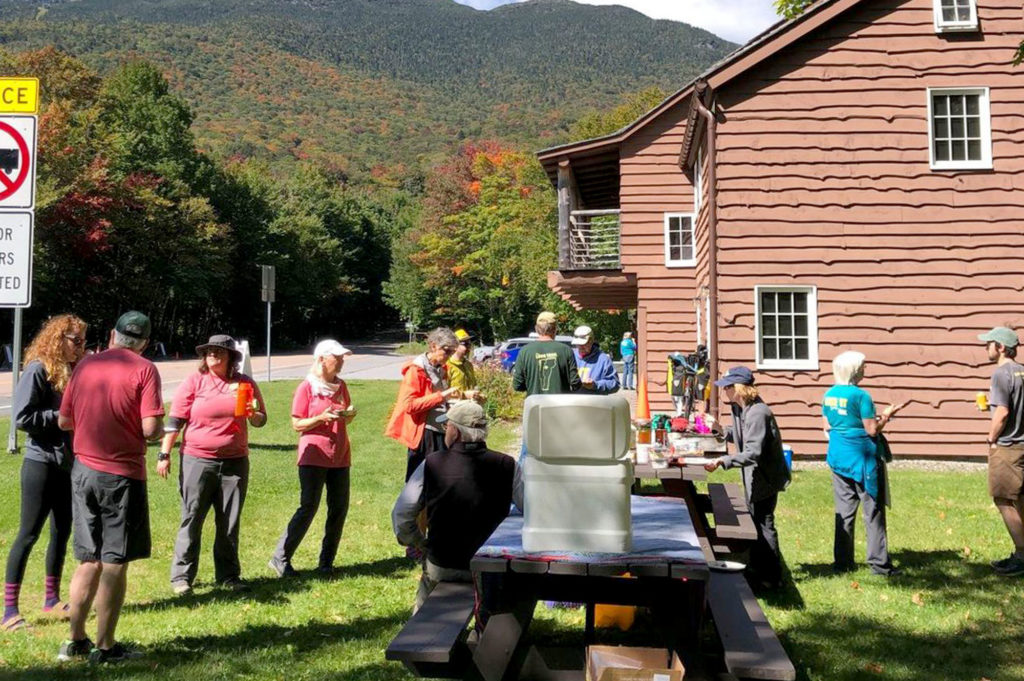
x=111, y=516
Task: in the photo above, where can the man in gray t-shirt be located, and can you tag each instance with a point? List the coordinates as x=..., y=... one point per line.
x=1006, y=442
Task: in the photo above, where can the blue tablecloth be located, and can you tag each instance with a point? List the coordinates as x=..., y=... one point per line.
x=662, y=531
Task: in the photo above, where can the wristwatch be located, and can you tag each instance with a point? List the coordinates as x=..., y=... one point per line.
x=163, y=456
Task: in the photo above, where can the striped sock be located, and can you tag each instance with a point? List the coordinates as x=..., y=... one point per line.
x=52, y=591
x=11, y=593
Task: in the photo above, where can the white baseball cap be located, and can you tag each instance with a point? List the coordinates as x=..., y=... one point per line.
x=582, y=335
x=330, y=347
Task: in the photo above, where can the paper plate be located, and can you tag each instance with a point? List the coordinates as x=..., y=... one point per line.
x=726, y=565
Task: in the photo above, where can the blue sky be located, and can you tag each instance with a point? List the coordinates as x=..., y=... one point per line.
x=736, y=20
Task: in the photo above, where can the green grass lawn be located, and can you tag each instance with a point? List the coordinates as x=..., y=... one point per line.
x=949, y=617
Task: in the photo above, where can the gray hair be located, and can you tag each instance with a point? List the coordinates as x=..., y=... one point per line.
x=847, y=367
x=442, y=337
x=124, y=341
x=467, y=434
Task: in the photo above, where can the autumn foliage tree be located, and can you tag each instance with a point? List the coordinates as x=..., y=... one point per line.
x=130, y=214
x=483, y=245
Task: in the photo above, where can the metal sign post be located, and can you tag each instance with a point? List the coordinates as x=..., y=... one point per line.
x=19, y=102
x=12, y=435
x=267, y=295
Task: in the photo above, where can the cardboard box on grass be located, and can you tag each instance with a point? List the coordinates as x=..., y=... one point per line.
x=626, y=663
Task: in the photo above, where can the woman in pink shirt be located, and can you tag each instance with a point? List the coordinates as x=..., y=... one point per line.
x=215, y=406
x=321, y=410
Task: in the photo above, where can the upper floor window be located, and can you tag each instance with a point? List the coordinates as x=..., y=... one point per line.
x=787, y=327
x=679, y=246
x=956, y=15
x=959, y=130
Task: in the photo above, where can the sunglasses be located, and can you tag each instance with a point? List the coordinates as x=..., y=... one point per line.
x=77, y=341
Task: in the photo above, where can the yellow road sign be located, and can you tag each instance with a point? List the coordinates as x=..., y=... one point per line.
x=19, y=95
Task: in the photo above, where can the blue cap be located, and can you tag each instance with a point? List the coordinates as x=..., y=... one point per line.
x=736, y=375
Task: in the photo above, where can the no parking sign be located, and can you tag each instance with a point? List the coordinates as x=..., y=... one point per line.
x=17, y=162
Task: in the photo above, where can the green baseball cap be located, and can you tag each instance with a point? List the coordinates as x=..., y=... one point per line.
x=133, y=324
x=1002, y=335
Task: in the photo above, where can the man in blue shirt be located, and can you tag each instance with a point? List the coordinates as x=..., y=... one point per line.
x=597, y=373
x=627, y=348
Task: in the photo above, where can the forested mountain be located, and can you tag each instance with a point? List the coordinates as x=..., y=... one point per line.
x=376, y=89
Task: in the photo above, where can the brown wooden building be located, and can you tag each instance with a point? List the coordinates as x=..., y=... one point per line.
x=860, y=185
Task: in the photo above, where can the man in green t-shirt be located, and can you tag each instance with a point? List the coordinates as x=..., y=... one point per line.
x=545, y=366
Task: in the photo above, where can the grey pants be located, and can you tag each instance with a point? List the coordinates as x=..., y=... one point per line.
x=312, y=482
x=205, y=483
x=434, y=574
x=848, y=495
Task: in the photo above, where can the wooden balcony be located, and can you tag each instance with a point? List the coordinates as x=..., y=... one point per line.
x=590, y=272
x=594, y=242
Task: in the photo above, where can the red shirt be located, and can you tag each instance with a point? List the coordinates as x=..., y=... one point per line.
x=107, y=397
x=207, y=405
x=327, y=444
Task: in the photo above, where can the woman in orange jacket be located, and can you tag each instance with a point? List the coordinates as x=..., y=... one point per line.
x=422, y=398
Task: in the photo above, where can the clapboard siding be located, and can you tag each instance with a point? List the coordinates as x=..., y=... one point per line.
x=824, y=181
x=653, y=184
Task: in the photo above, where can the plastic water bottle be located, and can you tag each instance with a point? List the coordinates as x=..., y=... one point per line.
x=787, y=454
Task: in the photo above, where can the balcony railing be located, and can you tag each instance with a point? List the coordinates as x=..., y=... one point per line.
x=593, y=240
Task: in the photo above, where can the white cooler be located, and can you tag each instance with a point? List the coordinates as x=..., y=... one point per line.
x=576, y=475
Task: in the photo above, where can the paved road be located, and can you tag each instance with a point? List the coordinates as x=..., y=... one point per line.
x=368, y=361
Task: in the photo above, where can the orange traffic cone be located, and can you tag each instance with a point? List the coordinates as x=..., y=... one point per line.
x=643, y=407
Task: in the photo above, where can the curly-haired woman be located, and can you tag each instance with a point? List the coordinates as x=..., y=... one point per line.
x=46, y=468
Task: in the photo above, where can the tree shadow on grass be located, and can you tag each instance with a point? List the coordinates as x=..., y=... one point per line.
x=249, y=648
x=843, y=647
x=273, y=590
x=948, y=575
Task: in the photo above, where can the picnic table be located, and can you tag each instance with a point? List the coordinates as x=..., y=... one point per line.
x=674, y=539
x=667, y=573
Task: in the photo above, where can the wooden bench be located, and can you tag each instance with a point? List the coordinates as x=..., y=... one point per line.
x=430, y=644
x=729, y=508
x=752, y=650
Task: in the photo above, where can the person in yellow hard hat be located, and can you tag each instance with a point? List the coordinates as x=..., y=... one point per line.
x=461, y=374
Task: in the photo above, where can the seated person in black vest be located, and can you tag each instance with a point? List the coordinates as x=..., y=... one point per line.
x=466, y=491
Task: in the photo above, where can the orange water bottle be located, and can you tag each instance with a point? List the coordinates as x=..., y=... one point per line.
x=243, y=399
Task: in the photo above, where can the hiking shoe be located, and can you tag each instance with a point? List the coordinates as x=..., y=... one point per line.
x=1003, y=562
x=327, y=570
x=181, y=588
x=281, y=568
x=236, y=584
x=114, y=654
x=74, y=650
x=1011, y=568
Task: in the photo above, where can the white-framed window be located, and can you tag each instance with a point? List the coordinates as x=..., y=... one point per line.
x=955, y=15
x=698, y=190
x=959, y=128
x=786, y=327
x=680, y=250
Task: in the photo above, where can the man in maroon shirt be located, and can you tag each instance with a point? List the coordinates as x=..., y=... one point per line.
x=113, y=405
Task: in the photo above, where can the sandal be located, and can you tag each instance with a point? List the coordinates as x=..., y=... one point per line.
x=15, y=623
x=59, y=611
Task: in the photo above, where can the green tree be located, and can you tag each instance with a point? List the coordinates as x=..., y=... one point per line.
x=599, y=123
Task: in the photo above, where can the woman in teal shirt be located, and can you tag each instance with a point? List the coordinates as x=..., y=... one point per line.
x=857, y=475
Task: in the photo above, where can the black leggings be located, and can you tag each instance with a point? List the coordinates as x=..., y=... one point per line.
x=312, y=482
x=45, y=491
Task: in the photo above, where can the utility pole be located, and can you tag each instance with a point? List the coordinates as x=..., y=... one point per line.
x=267, y=295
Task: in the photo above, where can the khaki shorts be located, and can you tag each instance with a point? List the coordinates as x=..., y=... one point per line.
x=1006, y=472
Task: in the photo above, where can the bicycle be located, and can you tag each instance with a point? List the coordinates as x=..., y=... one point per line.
x=688, y=379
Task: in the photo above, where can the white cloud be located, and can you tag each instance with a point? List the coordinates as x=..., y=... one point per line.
x=736, y=20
